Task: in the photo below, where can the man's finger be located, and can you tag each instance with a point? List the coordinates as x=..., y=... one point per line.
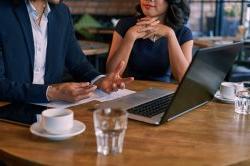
x=114, y=86
x=79, y=85
x=91, y=89
x=81, y=97
x=122, y=85
x=84, y=84
x=107, y=90
x=124, y=80
x=127, y=80
x=83, y=91
x=77, y=92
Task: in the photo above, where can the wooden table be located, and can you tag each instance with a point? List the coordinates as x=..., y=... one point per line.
x=210, y=135
x=101, y=31
x=94, y=49
x=91, y=48
x=204, y=42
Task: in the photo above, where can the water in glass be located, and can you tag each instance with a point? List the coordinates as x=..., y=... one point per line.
x=242, y=102
x=110, y=128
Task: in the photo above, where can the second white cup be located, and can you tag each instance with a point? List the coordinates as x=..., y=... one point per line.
x=57, y=120
x=228, y=89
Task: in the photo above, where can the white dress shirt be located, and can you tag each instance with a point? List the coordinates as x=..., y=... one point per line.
x=40, y=41
x=40, y=34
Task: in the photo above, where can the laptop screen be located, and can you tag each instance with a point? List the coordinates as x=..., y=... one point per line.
x=202, y=79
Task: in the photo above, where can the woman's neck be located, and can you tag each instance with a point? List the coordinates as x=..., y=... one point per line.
x=162, y=19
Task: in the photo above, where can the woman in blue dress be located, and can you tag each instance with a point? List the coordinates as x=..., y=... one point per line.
x=154, y=45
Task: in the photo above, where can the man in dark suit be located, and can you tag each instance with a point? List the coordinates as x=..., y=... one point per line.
x=36, y=42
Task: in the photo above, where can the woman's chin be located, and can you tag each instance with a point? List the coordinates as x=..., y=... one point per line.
x=151, y=14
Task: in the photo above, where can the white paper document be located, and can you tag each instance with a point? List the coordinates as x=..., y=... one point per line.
x=98, y=95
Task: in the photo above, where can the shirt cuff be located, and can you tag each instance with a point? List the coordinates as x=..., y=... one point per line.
x=47, y=92
x=97, y=78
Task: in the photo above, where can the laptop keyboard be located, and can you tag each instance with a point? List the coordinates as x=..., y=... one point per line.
x=152, y=108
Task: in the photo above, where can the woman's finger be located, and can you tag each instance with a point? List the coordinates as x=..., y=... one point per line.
x=147, y=29
x=155, y=23
x=148, y=19
x=147, y=22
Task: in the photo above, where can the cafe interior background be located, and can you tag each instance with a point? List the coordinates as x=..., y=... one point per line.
x=213, y=22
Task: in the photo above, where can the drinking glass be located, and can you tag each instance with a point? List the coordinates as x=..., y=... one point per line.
x=242, y=101
x=110, y=127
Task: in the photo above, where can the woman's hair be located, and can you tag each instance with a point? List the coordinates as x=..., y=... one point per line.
x=177, y=13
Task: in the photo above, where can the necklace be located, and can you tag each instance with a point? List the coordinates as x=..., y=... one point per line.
x=40, y=14
x=153, y=38
x=40, y=8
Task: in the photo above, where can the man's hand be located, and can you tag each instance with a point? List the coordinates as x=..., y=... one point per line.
x=71, y=92
x=114, y=81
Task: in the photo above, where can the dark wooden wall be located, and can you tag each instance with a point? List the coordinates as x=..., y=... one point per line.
x=102, y=7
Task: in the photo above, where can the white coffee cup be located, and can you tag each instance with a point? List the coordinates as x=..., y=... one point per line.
x=227, y=90
x=57, y=120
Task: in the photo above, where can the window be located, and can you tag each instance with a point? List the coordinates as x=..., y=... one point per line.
x=216, y=17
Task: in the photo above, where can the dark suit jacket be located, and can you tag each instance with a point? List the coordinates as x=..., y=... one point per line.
x=17, y=52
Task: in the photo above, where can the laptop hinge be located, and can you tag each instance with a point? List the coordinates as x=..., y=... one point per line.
x=186, y=111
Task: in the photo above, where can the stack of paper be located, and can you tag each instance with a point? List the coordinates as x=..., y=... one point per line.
x=98, y=95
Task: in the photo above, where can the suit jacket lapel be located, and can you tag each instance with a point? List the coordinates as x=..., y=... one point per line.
x=23, y=17
x=53, y=35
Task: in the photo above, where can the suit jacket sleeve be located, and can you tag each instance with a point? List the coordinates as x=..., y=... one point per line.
x=14, y=91
x=76, y=61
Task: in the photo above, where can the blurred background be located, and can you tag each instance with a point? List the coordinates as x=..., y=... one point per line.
x=213, y=22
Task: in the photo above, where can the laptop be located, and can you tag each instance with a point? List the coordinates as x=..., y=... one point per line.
x=207, y=70
x=24, y=114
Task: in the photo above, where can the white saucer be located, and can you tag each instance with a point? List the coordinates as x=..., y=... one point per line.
x=78, y=128
x=224, y=100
